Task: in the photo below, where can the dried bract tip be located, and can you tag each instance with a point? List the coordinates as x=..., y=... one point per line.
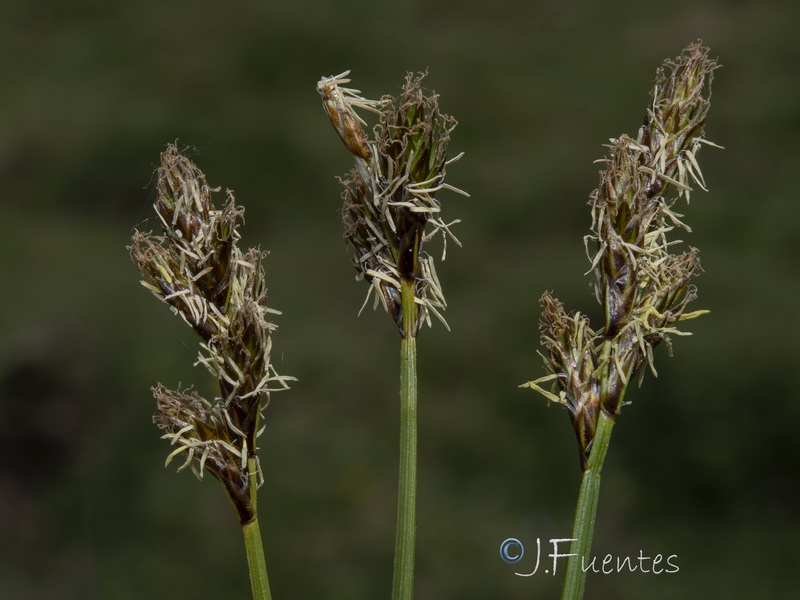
x=340, y=104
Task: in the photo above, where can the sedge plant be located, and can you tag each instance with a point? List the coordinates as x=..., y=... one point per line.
x=197, y=268
x=643, y=286
x=390, y=211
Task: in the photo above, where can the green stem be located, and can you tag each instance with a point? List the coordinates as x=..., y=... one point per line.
x=586, y=512
x=252, y=543
x=403, y=580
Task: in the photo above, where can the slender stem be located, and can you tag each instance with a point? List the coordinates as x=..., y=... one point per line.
x=586, y=512
x=252, y=543
x=403, y=580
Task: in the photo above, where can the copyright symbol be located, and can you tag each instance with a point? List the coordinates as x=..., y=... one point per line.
x=512, y=551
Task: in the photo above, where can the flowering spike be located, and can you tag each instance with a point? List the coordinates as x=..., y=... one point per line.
x=390, y=195
x=643, y=287
x=198, y=269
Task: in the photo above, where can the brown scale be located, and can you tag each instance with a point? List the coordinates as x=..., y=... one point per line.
x=344, y=123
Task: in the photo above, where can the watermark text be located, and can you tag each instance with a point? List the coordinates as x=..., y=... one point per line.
x=512, y=551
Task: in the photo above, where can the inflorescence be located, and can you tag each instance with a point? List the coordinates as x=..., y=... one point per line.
x=197, y=268
x=390, y=195
x=643, y=287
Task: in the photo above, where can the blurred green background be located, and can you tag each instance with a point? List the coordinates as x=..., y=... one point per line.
x=703, y=464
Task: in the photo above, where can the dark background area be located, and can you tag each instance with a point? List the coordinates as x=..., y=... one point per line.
x=703, y=464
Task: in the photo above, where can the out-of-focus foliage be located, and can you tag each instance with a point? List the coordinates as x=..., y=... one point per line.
x=703, y=465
